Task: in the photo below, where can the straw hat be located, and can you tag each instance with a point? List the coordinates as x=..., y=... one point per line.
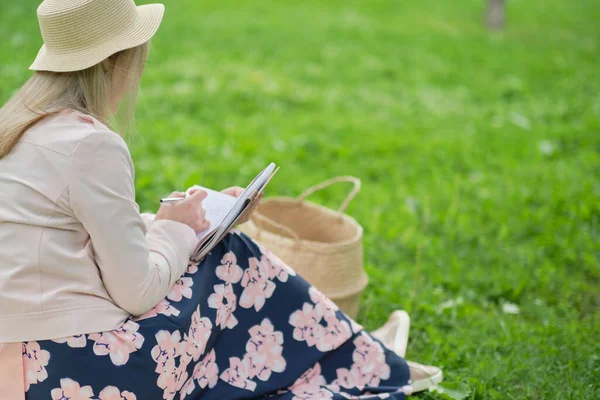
x=81, y=33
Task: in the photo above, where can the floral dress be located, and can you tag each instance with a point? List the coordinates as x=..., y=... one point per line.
x=239, y=325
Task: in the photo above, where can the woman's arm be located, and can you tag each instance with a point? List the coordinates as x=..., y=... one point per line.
x=148, y=219
x=137, y=269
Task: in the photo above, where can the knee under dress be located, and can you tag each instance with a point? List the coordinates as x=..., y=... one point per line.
x=240, y=324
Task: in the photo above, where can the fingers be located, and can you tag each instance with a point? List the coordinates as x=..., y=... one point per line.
x=205, y=225
x=201, y=225
x=234, y=191
x=196, y=196
x=256, y=203
x=188, y=211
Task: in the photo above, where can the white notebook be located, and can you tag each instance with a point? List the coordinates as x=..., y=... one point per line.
x=223, y=211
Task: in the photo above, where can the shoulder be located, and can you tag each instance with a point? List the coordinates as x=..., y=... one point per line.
x=99, y=154
x=95, y=137
x=71, y=132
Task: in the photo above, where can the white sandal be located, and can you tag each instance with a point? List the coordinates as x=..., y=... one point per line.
x=394, y=335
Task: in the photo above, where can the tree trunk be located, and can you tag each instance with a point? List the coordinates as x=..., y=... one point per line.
x=495, y=16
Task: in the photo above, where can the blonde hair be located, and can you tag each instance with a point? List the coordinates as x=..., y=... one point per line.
x=88, y=91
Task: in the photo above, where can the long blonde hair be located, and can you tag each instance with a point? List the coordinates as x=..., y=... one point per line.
x=87, y=91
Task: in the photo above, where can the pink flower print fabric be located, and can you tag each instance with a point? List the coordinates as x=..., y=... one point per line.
x=369, y=366
x=313, y=385
x=318, y=324
x=311, y=393
x=229, y=272
x=311, y=377
x=119, y=344
x=366, y=395
x=192, y=267
x=199, y=333
x=355, y=326
x=310, y=385
x=257, y=285
x=71, y=390
x=187, y=388
x=182, y=288
x=112, y=393
x=306, y=323
x=77, y=341
x=275, y=266
x=206, y=373
x=240, y=324
x=172, y=382
x=263, y=351
x=335, y=334
x=322, y=301
x=224, y=301
x=35, y=361
x=263, y=357
x=169, y=347
x=180, y=378
x=238, y=374
x=163, y=307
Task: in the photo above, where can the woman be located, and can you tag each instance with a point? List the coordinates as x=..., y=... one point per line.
x=98, y=301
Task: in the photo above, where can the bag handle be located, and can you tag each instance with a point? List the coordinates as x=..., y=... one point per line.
x=259, y=217
x=327, y=183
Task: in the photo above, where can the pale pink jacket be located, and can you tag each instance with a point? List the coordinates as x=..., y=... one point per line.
x=75, y=254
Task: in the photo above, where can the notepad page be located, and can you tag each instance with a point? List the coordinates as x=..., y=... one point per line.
x=217, y=206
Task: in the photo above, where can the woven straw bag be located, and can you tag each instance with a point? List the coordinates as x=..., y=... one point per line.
x=322, y=245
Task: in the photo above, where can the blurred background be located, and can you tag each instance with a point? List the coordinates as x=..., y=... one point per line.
x=477, y=141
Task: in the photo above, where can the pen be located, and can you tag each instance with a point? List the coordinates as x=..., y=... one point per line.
x=173, y=199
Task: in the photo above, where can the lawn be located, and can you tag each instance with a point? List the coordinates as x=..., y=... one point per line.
x=479, y=153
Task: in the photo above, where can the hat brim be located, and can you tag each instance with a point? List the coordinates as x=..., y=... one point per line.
x=143, y=28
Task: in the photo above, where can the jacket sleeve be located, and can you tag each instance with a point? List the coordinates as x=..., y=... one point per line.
x=137, y=267
x=148, y=219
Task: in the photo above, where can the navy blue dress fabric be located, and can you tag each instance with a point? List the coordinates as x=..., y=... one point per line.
x=239, y=325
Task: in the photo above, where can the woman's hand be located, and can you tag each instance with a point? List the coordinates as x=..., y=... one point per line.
x=236, y=191
x=186, y=211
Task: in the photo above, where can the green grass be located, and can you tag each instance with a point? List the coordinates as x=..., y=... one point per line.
x=479, y=153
